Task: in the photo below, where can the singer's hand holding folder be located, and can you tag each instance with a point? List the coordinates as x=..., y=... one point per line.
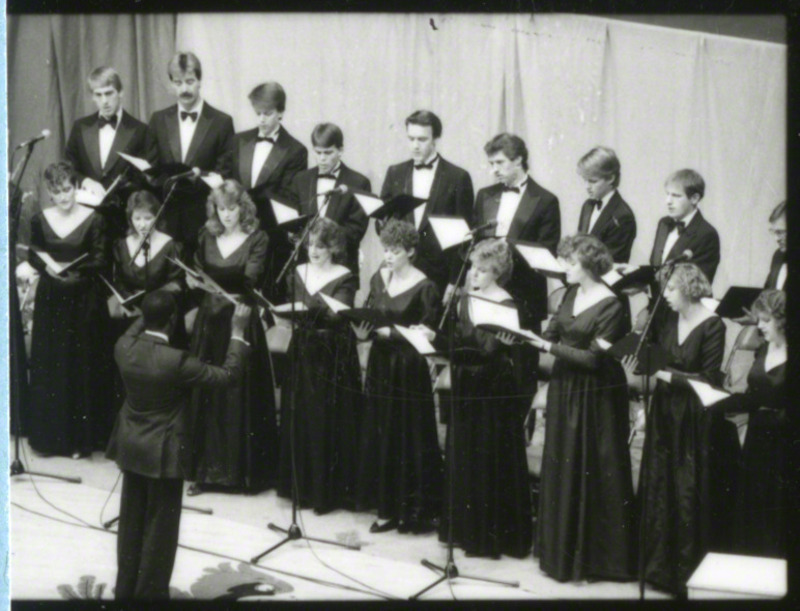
x=417, y=338
x=123, y=301
x=205, y=282
x=59, y=269
x=651, y=357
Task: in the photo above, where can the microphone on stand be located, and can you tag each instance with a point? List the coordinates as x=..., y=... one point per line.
x=43, y=136
x=685, y=256
x=340, y=189
x=489, y=225
x=193, y=173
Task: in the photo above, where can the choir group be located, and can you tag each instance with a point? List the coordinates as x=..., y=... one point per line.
x=340, y=440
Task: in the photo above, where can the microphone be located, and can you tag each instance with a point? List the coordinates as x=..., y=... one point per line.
x=194, y=172
x=489, y=225
x=686, y=255
x=43, y=136
x=340, y=189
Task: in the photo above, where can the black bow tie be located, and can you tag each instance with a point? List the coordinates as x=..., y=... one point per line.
x=269, y=139
x=426, y=166
x=597, y=203
x=102, y=122
x=191, y=115
x=679, y=225
x=507, y=189
x=331, y=176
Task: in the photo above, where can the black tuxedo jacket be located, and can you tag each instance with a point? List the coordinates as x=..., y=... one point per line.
x=699, y=237
x=148, y=436
x=538, y=219
x=778, y=259
x=615, y=227
x=451, y=195
x=342, y=207
x=83, y=147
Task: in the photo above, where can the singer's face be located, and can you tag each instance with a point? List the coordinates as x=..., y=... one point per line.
x=107, y=99
x=598, y=187
x=268, y=119
x=62, y=195
x=574, y=270
x=678, y=203
x=506, y=170
x=141, y=220
x=768, y=327
x=482, y=276
x=420, y=141
x=397, y=257
x=229, y=215
x=186, y=86
x=318, y=253
x=673, y=296
x=328, y=158
x=778, y=229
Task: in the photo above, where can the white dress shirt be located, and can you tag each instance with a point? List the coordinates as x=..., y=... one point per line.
x=781, y=280
x=509, y=202
x=422, y=181
x=324, y=185
x=596, y=211
x=187, y=127
x=260, y=154
x=673, y=235
x=106, y=135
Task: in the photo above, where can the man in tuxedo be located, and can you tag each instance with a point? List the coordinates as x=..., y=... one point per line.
x=684, y=228
x=605, y=214
x=523, y=210
x=330, y=174
x=264, y=160
x=148, y=440
x=777, y=268
x=446, y=189
x=189, y=134
x=95, y=141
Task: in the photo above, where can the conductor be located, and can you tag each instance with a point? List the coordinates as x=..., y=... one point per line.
x=147, y=440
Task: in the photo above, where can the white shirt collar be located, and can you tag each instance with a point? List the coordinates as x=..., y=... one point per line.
x=198, y=108
x=157, y=334
x=607, y=198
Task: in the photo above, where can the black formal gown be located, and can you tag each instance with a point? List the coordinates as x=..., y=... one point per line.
x=491, y=492
x=689, y=461
x=586, y=525
x=71, y=358
x=325, y=389
x=130, y=278
x=233, y=431
x=760, y=514
x=400, y=464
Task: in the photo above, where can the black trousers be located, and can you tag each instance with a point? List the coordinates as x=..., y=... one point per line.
x=147, y=540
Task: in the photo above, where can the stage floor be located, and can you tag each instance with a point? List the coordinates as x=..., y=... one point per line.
x=213, y=561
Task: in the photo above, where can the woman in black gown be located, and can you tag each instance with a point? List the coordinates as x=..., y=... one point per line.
x=690, y=453
x=70, y=364
x=760, y=515
x=586, y=524
x=491, y=486
x=233, y=432
x=325, y=381
x=400, y=462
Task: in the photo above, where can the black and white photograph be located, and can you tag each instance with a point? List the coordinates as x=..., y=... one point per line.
x=413, y=306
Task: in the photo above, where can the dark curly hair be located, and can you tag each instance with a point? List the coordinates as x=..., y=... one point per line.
x=772, y=304
x=328, y=234
x=230, y=192
x=399, y=233
x=495, y=253
x=587, y=250
x=56, y=174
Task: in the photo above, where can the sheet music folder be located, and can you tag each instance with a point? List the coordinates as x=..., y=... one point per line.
x=735, y=301
x=539, y=259
x=652, y=357
x=398, y=206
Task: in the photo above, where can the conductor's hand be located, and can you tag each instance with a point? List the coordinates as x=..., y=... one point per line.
x=362, y=330
x=507, y=338
x=240, y=320
x=193, y=282
x=630, y=363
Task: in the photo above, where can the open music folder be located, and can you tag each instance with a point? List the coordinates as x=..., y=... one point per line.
x=449, y=231
x=540, y=259
x=54, y=266
x=707, y=394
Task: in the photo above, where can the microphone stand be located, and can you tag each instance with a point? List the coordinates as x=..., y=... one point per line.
x=15, y=204
x=293, y=532
x=450, y=570
x=670, y=267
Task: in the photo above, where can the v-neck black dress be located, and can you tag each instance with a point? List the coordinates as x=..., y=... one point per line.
x=688, y=461
x=400, y=464
x=586, y=524
x=233, y=431
x=760, y=516
x=325, y=389
x=71, y=356
x=486, y=444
